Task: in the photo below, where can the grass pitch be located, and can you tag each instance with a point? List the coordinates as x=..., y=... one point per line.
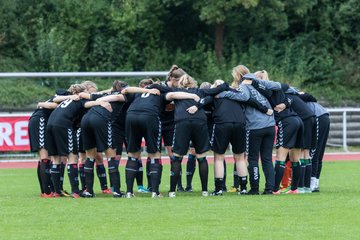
x=334, y=213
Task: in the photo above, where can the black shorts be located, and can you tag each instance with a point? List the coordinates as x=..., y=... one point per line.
x=37, y=133
x=61, y=141
x=79, y=141
x=309, y=133
x=143, y=126
x=226, y=133
x=167, y=133
x=191, y=130
x=119, y=139
x=96, y=132
x=290, y=133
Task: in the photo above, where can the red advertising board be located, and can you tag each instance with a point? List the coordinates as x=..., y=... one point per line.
x=14, y=132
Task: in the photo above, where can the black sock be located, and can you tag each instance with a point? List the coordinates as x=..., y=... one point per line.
x=38, y=171
x=279, y=173
x=308, y=170
x=114, y=175
x=62, y=173
x=155, y=172
x=101, y=173
x=224, y=180
x=236, y=177
x=139, y=175
x=190, y=169
x=295, y=175
x=45, y=175
x=219, y=182
x=55, y=176
x=131, y=169
x=174, y=172
x=204, y=173
x=82, y=176
x=73, y=175
x=302, y=173
x=89, y=174
x=148, y=176
x=242, y=182
x=179, y=183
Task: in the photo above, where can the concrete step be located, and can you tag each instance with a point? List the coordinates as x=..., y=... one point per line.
x=350, y=126
x=350, y=141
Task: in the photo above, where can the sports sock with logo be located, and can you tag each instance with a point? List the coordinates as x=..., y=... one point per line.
x=101, y=173
x=89, y=174
x=204, y=173
x=73, y=175
x=279, y=173
x=295, y=174
x=131, y=169
x=190, y=169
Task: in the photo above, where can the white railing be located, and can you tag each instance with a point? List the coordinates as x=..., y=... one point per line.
x=344, y=112
x=81, y=74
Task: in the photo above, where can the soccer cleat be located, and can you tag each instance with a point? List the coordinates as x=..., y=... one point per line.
x=217, y=193
x=180, y=189
x=316, y=190
x=58, y=195
x=253, y=192
x=267, y=192
x=278, y=192
x=243, y=192
x=107, y=191
x=155, y=195
x=301, y=190
x=188, y=189
x=141, y=189
x=118, y=195
x=307, y=190
x=75, y=195
x=205, y=193
x=86, y=194
x=44, y=195
x=284, y=190
x=233, y=189
x=130, y=195
x=172, y=194
x=296, y=191
x=65, y=193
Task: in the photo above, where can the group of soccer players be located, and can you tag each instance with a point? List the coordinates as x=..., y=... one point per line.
x=76, y=127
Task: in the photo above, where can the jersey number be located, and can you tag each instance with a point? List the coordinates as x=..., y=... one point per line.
x=65, y=103
x=145, y=95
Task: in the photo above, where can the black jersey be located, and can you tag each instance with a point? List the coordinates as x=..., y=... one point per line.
x=103, y=112
x=68, y=114
x=43, y=112
x=300, y=107
x=168, y=113
x=277, y=98
x=147, y=104
x=228, y=111
x=183, y=104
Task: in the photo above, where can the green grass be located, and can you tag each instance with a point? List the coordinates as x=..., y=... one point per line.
x=331, y=214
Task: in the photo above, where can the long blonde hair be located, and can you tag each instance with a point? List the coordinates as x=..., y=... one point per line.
x=89, y=84
x=175, y=72
x=262, y=75
x=76, y=88
x=187, y=81
x=238, y=72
